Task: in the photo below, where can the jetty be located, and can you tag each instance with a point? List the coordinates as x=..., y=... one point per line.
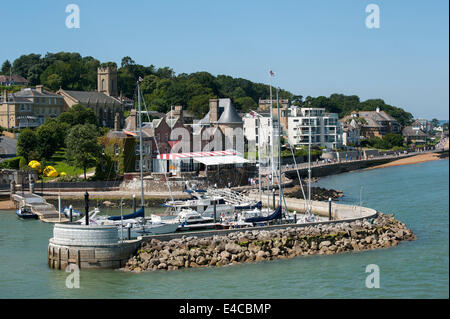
x=46, y=211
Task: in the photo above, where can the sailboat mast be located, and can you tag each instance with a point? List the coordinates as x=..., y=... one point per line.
x=140, y=146
x=259, y=158
x=279, y=145
x=309, y=162
x=271, y=124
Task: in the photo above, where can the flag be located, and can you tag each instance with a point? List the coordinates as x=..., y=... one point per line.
x=271, y=73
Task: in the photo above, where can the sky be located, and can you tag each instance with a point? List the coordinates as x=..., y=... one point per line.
x=313, y=47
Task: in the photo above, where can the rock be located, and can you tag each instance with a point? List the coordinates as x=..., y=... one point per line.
x=162, y=266
x=225, y=255
x=260, y=255
x=201, y=261
x=233, y=248
x=325, y=243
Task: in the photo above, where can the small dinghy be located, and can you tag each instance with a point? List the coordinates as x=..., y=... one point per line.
x=26, y=213
x=75, y=213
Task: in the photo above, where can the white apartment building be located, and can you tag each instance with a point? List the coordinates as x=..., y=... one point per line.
x=257, y=126
x=325, y=128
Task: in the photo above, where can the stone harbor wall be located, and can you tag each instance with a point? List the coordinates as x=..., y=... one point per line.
x=379, y=231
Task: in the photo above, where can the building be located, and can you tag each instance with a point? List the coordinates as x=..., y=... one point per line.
x=257, y=127
x=13, y=79
x=423, y=125
x=285, y=111
x=351, y=133
x=29, y=107
x=325, y=128
x=374, y=123
x=414, y=135
x=104, y=102
x=224, y=116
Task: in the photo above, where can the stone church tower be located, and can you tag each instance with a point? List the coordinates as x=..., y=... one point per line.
x=107, y=81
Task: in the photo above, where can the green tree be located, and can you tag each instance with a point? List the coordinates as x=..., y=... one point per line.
x=435, y=122
x=391, y=140
x=47, y=141
x=26, y=143
x=22, y=64
x=78, y=114
x=83, y=148
x=6, y=67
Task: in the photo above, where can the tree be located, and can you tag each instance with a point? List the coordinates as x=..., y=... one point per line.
x=392, y=140
x=78, y=114
x=22, y=64
x=6, y=68
x=26, y=143
x=435, y=122
x=83, y=148
x=47, y=141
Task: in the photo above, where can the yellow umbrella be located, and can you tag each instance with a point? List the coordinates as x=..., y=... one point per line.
x=50, y=171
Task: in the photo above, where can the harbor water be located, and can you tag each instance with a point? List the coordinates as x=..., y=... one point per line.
x=417, y=195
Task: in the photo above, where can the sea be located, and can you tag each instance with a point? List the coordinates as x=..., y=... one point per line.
x=417, y=195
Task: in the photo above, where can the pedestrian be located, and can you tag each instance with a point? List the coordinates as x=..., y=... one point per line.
x=229, y=185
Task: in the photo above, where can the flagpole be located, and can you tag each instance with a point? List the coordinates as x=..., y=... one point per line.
x=271, y=124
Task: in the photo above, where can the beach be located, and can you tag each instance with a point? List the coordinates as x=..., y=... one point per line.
x=421, y=158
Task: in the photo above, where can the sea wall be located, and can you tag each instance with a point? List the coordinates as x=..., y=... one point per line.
x=337, y=168
x=380, y=231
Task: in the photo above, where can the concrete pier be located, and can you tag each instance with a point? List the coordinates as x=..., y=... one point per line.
x=46, y=211
x=88, y=247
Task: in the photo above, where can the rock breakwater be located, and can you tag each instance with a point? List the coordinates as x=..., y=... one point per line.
x=382, y=231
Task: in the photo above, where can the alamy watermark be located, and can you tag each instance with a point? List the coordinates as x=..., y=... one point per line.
x=373, y=19
x=73, y=280
x=373, y=279
x=73, y=19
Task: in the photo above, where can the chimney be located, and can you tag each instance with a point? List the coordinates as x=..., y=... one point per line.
x=213, y=110
x=39, y=88
x=5, y=95
x=133, y=120
x=116, y=122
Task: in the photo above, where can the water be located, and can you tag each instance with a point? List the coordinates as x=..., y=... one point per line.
x=417, y=194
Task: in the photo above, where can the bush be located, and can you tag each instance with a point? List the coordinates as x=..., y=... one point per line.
x=12, y=163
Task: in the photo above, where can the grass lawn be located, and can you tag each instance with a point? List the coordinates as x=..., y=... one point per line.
x=58, y=161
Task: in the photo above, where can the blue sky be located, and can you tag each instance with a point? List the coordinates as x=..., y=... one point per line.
x=314, y=47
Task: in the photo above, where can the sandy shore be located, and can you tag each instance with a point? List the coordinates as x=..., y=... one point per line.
x=7, y=205
x=421, y=158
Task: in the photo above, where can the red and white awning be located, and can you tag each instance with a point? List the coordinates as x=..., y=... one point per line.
x=178, y=156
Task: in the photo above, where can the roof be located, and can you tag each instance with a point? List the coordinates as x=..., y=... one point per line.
x=227, y=114
x=221, y=160
x=91, y=97
x=29, y=92
x=16, y=78
x=24, y=95
x=373, y=118
x=409, y=131
x=179, y=156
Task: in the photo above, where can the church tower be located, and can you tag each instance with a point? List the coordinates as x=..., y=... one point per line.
x=107, y=81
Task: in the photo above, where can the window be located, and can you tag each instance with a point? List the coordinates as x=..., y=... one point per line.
x=22, y=107
x=29, y=107
x=137, y=150
x=137, y=165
